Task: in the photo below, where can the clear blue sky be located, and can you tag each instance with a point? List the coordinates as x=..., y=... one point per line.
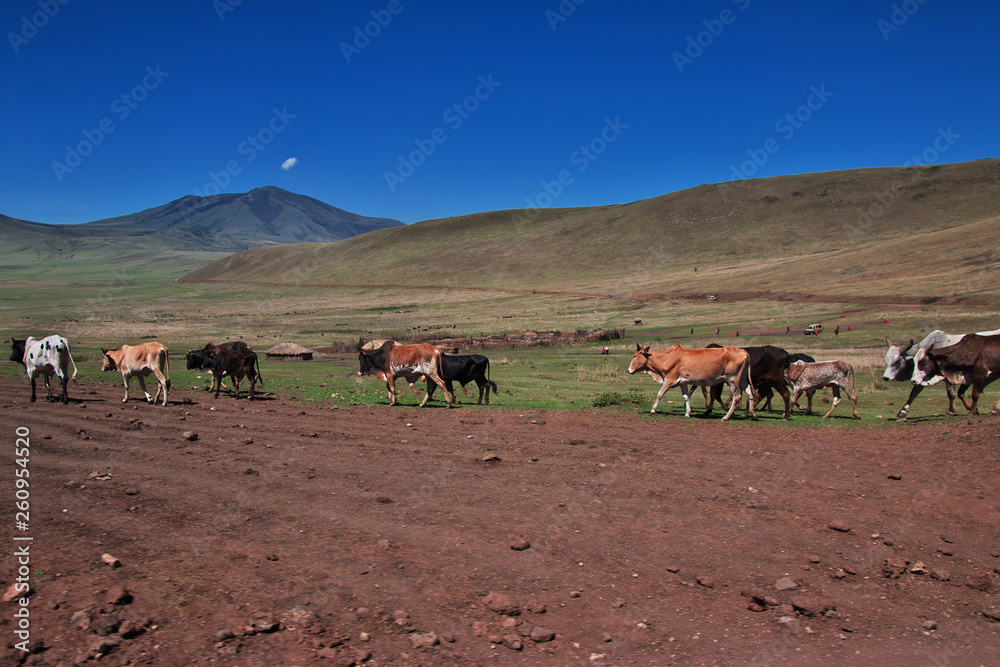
x=491, y=105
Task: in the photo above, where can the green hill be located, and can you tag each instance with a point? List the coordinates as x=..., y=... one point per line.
x=843, y=234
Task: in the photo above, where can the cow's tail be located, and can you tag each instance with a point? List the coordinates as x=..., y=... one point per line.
x=440, y=373
x=493, y=385
x=70, y=355
x=165, y=366
x=256, y=362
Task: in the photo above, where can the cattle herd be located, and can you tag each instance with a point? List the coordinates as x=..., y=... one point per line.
x=960, y=361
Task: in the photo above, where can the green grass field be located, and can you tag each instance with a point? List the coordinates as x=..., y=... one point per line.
x=559, y=378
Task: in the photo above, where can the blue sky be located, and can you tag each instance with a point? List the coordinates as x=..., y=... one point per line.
x=418, y=109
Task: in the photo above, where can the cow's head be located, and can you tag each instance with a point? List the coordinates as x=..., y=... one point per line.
x=925, y=368
x=640, y=359
x=197, y=359
x=108, y=362
x=374, y=361
x=17, y=352
x=898, y=362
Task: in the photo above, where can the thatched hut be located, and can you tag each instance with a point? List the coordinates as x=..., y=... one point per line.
x=289, y=351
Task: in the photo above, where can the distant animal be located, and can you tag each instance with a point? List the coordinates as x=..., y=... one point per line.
x=767, y=367
x=464, y=369
x=392, y=361
x=837, y=375
x=235, y=359
x=139, y=361
x=974, y=360
x=677, y=366
x=46, y=357
x=899, y=367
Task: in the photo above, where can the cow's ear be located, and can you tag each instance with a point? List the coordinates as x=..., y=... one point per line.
x=638, y=348
x=103, y=351
x=646, y=352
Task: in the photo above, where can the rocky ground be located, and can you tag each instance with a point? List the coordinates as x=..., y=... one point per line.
x=268, y=533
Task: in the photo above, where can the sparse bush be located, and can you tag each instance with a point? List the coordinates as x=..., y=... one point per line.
x=610, y=398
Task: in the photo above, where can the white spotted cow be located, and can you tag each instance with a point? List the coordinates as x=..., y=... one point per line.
x=837, y=375
x=46, y=357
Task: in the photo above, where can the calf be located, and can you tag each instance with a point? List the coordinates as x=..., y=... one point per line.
x=677, y=366
x=235, y=359
x=975, y=361
x=465, y=369
x=46, y=357
x=140, y=361
x=392, y=361
x=837, y=375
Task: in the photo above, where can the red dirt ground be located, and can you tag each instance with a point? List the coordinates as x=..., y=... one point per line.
x=290, y=535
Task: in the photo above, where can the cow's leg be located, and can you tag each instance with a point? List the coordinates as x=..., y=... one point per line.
x=917, y=388
x=65, y=393
x=976, y=390
x=961, y=396
x=162, y=384
x=142, y=385
x=686, y=392
x=664, y=386
x=253, y=382
x=794, y=400
x=734, y=387
x=391, y=384
x=433, y=378
x=836, y=400
x=125, y=379
x=48, y=387
x=236, y=384
x=216, y=383
x=853, y=395
x=31, y=377
x=481, y=383
x=752, y=397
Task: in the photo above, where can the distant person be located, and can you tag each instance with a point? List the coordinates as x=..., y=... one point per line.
x=788, y=330
x=836, y=332
x=716, y=331
x=692, y=330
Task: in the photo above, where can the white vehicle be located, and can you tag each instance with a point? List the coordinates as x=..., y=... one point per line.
x=813, y=329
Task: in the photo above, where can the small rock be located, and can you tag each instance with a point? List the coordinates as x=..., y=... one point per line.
x=247, y=441
x=785, y=584
x=929, y=625
x=519, y=544
x=110, y=560
x=940, y=575
x=672, y=568
x=513, y=642
x=894, y=568
x=840, y=526
x=424, y=639
x=918, y=568
x=895, y=476
x=791, y=624
x=101, y=646
x=190, y=436
x=400, y=618
x=267, y=626
x=13, y=593
x=81, y=619
x=118, y=595
x=810, y=606
x=838, y=574
x=980, y=582
x=223, y=635
x=490, y=458
x=575, y=594
x=991, y=614
x=541, y=635
x=103, y=626
x=535, y=606
x=705, y=581
x=502, y=603
x=479, y=629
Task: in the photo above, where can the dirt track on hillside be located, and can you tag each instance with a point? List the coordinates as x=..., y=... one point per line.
x=290, y=535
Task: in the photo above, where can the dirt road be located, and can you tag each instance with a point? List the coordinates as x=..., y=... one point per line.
x=290, y=535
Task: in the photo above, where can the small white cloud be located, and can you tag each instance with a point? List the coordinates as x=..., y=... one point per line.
x=289, y=163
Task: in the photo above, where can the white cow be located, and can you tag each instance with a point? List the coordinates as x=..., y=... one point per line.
x=46, y=357
x=899, y=366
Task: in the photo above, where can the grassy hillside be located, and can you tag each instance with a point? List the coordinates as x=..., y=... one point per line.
x=832, y=235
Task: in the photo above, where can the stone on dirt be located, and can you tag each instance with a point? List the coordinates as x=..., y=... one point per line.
x=840, y=526
x=982, y=581
x=502, y=603
x=541, y=635
x=190, y=436
x=791, y=624
x=786, y=584
x=110, y=560
x=424, y=639
x=118, y=595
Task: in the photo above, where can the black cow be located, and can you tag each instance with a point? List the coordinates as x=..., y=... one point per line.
x=975, y=361
x=767, y=393
x=235, y=359
x=767, y=370
x=464, y=369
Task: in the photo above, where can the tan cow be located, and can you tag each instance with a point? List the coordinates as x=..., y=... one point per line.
x=139, y=361
x=695, y=368
x=836, y=374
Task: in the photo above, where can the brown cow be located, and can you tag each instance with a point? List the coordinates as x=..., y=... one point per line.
x=695, y=368
x=392, y=361
x=139, y=361
x=975, y=360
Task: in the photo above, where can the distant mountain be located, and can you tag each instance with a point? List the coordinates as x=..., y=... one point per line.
x=228, y=222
